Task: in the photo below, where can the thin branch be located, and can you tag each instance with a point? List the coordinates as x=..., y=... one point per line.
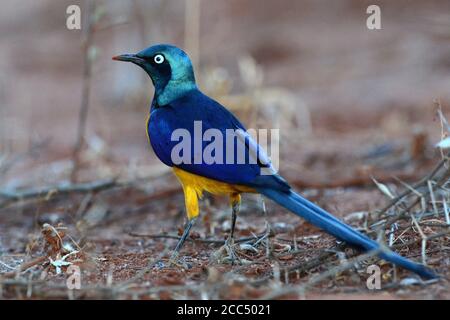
x=316, y=279
x=63, y=188
x=416, y=185
x=215, y=241
x=87, y=75
x=24, y=267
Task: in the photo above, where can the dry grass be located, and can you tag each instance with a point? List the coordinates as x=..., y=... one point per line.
x=275, y=264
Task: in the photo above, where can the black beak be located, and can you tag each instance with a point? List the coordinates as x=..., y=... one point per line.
x=129, y=58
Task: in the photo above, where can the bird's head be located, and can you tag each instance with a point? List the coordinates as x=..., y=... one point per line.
x=169, y=68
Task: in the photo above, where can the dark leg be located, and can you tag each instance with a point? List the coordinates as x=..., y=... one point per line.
x=183, y=238
x=229, y=244
x=234, y=212
x=235, y=201
x=226, y=252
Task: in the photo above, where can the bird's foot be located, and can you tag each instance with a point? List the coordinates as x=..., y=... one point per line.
x=175, y=261
x=174, y=258
x=226, y=253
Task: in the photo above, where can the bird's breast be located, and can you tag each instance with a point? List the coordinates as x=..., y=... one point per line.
x=159, y=136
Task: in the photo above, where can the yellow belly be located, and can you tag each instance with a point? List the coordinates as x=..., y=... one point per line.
x=194, y=186
x=201, y=184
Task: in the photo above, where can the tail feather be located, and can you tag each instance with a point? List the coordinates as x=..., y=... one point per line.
x=324, y=220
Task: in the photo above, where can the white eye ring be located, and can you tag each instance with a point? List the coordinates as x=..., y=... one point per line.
x=159, y=58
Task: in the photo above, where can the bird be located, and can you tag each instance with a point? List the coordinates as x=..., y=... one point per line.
x=178, y=105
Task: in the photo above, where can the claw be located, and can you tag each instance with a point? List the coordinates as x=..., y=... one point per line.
x=226, y=253
x=180, y=263
x=173, y=258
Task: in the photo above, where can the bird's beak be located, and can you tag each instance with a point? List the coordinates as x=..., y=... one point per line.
x=129, y=58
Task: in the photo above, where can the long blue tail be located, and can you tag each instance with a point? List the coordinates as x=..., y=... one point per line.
x=324, y=220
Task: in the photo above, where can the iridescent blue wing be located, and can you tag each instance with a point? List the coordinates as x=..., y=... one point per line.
x=197, y=107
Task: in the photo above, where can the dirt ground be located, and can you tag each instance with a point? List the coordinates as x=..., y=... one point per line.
x=352, y=105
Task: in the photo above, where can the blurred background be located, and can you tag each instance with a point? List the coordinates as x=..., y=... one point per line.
x=311, y=68
x=352, y=104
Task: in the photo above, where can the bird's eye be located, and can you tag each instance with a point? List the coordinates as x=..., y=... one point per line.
x=159, y=58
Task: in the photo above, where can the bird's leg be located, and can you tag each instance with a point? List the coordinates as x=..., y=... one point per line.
x=192, y=210
x=235, y=201
x=235, y=206
x=229, y=244
x=183, y=238
x=268, y=229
